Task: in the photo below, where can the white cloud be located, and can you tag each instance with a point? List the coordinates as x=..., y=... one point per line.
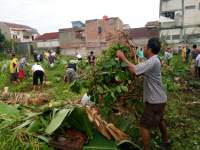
x=50, y=15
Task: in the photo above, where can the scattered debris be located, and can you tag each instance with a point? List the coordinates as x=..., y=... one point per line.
x=23, y=98
x=72, y=140
x=85, y=101
x=106, y=129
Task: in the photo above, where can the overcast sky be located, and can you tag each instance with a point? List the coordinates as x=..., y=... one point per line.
x=50, y=15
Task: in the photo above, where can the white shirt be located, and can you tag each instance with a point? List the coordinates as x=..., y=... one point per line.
x=37, y=68
x=168, y=55
x=198, y=60
x=53, y=54
x=79, y=56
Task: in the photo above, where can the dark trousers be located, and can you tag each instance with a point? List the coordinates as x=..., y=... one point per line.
x=38, y=75
x=199, y=71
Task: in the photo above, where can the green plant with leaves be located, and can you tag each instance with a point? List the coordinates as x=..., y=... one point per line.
x=109, y=81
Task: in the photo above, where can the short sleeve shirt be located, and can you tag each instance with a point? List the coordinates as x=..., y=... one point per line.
x=13, y=64
x=153, y=92
x=37, y=68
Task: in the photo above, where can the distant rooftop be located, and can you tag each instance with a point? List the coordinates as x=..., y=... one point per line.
x=19, y=26
x=48, y=36
x=152, y=24
x=114, y=18
x=143, y=32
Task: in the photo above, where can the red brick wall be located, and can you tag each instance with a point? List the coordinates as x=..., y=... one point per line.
x=91, y=29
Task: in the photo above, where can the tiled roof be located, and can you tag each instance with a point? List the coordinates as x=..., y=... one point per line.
x=14, y=25
x=143, y=32
x=48, y=36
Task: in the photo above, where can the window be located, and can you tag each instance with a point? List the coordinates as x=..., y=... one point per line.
x=190, y=7
x=175, y=37
x=26, y=37
x=170, y=14
x=199, y=6
x=168, y=37
x=99, y=30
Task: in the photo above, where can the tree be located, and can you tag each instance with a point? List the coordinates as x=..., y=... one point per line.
x=2, y=40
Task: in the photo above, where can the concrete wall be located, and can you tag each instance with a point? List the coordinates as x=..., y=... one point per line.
x=82, y=51
x=171, y=5
x=192, y=16
x=48, y=44
x=67, y=38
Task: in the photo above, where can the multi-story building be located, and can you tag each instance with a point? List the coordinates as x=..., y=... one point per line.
x=180, y=21
x=91, y=36
x=17, y=32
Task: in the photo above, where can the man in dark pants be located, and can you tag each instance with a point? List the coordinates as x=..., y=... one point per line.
x=154, y=95
x=38, y=74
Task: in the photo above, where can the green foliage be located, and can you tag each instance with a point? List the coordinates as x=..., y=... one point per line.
x=100, y=143
x=57, y=120
x=110, y=80
x=10, y=111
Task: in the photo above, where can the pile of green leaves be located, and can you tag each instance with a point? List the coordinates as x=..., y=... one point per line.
x=111, y=78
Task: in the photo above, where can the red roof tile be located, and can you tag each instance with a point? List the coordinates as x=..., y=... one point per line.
x=48, y=36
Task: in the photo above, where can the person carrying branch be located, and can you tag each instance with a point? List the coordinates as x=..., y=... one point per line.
x=154, y=95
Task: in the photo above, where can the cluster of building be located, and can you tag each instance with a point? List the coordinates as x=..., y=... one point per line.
x=81, y=37
x=179, y=23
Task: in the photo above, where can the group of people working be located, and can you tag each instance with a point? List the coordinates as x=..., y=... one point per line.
x=187, y=55
x=18, y=68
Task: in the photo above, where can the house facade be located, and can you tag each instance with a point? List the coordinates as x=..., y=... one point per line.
x=140, y=36
x=180, y=21
x=89, y=36
x=17, y=32
x=48, y=41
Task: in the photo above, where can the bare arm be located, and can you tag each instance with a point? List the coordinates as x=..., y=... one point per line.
x=131, y=67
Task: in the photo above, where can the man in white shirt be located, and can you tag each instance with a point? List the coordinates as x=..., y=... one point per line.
x=37, y=73
x=198, y=64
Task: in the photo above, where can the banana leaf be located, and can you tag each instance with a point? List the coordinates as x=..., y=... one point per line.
x=100, y=143
x=58, y=119
x=35, y=126
x=26, y=123
x=78, y=120
x=9, y=111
